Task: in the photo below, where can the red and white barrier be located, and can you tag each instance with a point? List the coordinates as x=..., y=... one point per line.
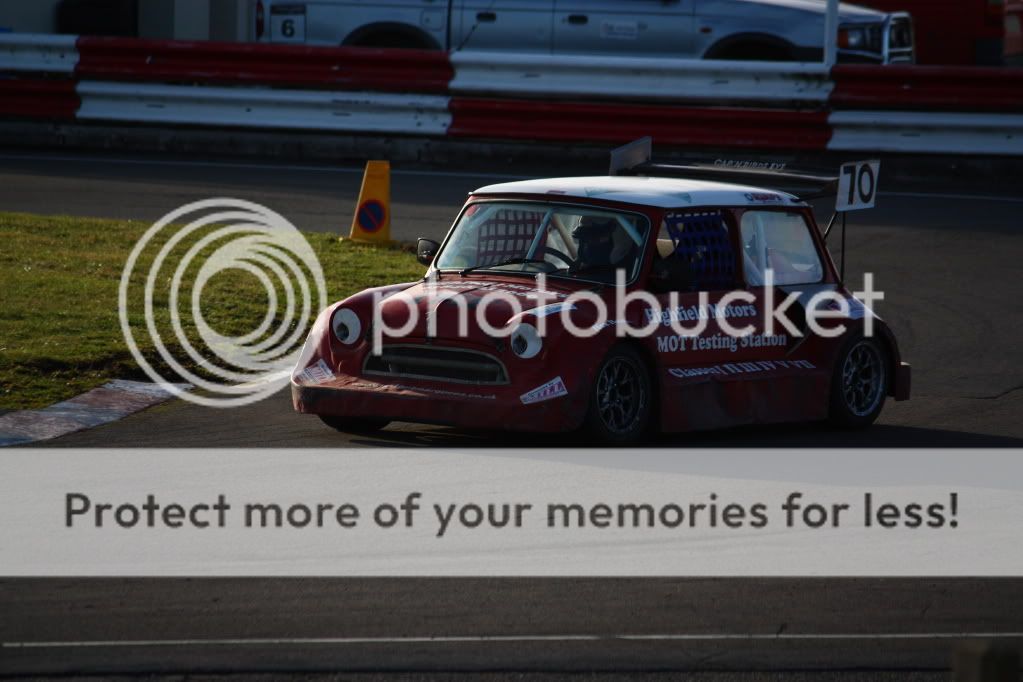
x=28, y=52
x=502, y=96
x=370, y=112
x=213, y=63
x=614, y=122
x=765, y=84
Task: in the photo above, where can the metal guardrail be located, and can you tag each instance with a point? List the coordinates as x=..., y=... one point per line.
x=27, y=52
x=928, y=88
x=633, y=78
x=369, y=112
x=216, y=63
x=927, y=132
x=495, y=95
x=614, y=122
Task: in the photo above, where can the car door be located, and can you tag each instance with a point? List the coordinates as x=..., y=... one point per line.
x=777, y=247
x=511, y=25
x=695, y=276
x=642, y=28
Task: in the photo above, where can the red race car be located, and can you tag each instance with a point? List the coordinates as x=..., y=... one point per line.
x=619, y=305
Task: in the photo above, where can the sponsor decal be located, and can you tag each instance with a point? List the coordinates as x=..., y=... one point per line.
x=748, y=164
x=734, y=368
x=317, y=374
x=762, y=196
x=678, y=343
x=555, y=388
x=701, y=312
x=619, y=30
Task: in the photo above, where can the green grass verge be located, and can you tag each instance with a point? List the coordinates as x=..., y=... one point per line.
x=59, y=278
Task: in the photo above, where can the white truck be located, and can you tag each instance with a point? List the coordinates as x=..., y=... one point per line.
x=776, y=30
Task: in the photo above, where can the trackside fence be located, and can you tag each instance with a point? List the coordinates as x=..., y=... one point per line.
x=505, y=96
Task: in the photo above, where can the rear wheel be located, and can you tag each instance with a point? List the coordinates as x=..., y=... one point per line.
x=859, y=383
x=353, y=424
x=620, y=399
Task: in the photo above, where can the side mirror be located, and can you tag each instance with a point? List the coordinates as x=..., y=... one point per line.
x=426, y=250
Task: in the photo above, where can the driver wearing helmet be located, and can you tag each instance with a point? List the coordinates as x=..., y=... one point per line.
x=595, y=243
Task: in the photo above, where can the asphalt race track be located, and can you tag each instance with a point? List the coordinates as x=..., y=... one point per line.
x=950, y=266
x=163, y=626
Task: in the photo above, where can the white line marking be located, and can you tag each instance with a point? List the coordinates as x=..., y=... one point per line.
x=482, y=639
x=255, y=166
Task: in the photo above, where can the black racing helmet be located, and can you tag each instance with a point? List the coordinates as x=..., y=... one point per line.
x=595, y=239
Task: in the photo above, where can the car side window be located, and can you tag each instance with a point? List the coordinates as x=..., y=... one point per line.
x=694, y=252
x=779, y=241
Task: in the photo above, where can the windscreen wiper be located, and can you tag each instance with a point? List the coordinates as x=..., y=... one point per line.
x=510, y=261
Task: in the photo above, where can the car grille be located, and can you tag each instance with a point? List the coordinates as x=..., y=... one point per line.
x=900, y=40
x=438, y=364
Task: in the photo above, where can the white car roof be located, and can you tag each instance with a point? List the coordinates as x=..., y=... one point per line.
x=648, y=191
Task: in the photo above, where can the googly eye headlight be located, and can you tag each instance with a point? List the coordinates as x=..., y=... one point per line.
x=525, y=341
x=347, y=327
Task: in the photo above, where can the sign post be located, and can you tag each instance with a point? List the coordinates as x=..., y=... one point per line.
x=831, y=34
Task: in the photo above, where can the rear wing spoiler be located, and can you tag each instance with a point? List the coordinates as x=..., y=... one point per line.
x=635, y=158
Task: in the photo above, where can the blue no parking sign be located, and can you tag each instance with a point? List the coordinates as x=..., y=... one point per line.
x=371, y=215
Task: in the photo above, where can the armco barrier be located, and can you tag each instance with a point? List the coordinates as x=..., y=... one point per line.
x=502, y=96
x=916, y=132
x=604, y=122
x=343, y=68
x=37, y=98
x=38, y=53
x=644, y=79
x=928, y=88
x=371, y=112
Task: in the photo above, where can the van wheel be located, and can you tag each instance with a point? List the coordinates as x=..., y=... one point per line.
x=759, y=52
x=620, y=399
x=353, y=424
x=859, y=383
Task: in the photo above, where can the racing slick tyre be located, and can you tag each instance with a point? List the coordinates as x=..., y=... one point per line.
x=353, y=424
x=859, y=383
x=620, y=399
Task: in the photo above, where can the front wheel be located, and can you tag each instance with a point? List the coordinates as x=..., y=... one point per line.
x=621, y=399
x=859, y=383
x=353, y=424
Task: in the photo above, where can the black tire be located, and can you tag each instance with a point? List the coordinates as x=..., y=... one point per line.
x=859, y=383
x=759, y=52
x=621, y=399
x=353, y=424
x=393, y=38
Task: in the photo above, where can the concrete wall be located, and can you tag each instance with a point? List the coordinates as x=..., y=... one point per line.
x=230, y=19
x=29, y=16
x=180, y=19
x=194, y=19
x=163, y=19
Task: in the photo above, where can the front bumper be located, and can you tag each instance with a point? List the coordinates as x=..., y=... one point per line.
x=463, y=406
